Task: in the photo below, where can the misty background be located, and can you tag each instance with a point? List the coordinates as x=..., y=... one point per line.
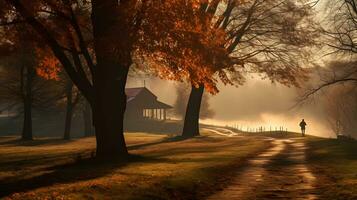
x=256, y=103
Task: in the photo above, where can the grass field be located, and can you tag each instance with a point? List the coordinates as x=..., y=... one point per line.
x=160, y=168
x=335, y=164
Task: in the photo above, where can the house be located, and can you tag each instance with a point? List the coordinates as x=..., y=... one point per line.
x=143, y=104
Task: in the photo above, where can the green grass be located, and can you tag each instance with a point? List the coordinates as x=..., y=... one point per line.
x=158, y=169
x=335, y=163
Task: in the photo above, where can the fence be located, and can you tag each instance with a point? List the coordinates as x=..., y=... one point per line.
x=260, y=130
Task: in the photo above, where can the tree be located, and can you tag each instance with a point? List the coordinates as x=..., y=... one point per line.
x=20, y=85
x=192, y=49
x=340, y=31
x=225, y=40
x=334, y=89
x=20, y=90
x=87, y=119
x=51, y=71
x=338, y=78
x=263, y=37
x=72, y=100
x=341, y=109
x=111, y=27
x=183, y=93
x=100, y=35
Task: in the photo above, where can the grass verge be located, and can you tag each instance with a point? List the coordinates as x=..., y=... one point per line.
x=335, y=164
x=159, y=169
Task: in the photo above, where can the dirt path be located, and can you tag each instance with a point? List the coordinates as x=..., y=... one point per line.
x=222, y=131
x=278, y=173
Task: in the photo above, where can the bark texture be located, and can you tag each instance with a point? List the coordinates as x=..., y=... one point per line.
x=27, y=75
x=87, y=120
x=69, y=112
x=113, y=55
x=191, y=123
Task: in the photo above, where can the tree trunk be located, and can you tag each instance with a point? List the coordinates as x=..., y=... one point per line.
x=87, y=119
x=113, y=33
x=108, y=116
x=112, y=30
x=192, y=117
x=69, y=111
x=27, y=74
x=27, y=126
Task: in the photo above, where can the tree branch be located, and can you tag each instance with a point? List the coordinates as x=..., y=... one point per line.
x=325, y=85
x=56, y=48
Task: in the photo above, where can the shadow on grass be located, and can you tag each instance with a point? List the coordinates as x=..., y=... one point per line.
x=165, y=140
x=334, y=161
x=84, y=153
x=85, y=169
x=35, y=142
x=79, y=170
x=197, y=184
x=333, y=149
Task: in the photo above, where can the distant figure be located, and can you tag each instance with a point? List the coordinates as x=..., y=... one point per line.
x=302, y=126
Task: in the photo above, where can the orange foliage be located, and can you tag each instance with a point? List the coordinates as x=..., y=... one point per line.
x=178, y=43
x=182, y=39
x=48, y=66
x=186, y=40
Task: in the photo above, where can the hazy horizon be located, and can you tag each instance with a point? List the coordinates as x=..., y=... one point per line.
x=256, y=103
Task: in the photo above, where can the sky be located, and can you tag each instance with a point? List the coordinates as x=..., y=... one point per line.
x=257, y=103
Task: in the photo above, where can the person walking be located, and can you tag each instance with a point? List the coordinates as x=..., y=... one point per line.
x=303, y=127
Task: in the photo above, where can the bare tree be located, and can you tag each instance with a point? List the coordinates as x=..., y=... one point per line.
x=340, y=31
x=341, y=109
x=334, y=87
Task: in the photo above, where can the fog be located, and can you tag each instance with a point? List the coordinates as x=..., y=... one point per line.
x=257, y=103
